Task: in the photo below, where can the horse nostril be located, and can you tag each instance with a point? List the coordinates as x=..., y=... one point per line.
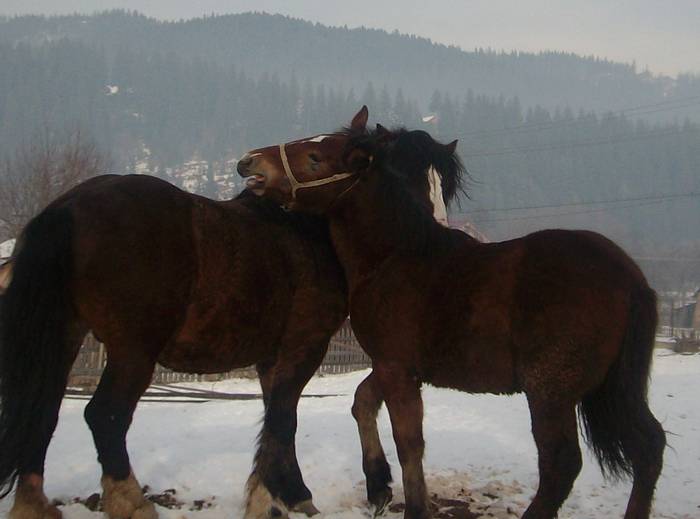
x=244, y=164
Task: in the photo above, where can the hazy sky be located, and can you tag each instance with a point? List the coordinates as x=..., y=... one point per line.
x=661, y=34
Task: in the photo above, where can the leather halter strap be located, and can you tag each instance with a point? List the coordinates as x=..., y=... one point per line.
x=296, y=184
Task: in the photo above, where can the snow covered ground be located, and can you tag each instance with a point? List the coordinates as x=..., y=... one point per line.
x=479, y=444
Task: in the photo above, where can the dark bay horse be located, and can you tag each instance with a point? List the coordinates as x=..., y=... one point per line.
x=564, y=316
x=161, y=276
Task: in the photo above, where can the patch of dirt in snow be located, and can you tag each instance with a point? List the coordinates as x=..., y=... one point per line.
x=497, y=499
x=453, y=497
x=166, y=499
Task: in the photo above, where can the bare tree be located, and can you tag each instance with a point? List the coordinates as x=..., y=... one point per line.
x=42, y=170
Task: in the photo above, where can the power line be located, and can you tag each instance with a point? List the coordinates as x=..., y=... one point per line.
x=546, y=125
x=566, y=213
x=532, y=149
x=665, y=258
x=543, y=126
x=646, y=198
x=580, y=123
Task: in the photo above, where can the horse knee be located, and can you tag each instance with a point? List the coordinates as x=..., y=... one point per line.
x=92, y=416
x=367, y=402
x=105, y=421
x=647, y=450
x=360, y=410
x=570, y=461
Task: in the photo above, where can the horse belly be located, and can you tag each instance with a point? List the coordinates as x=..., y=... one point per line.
x=207, y=355
x=219, y=338
x=477, y=366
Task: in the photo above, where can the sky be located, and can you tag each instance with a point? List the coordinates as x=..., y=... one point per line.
x=661, y=35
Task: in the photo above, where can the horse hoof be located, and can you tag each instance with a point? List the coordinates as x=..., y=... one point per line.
x=123, y=509
x=145, y=511
x=260, y=504
x=30, y=501
x=277, y=513
x=306, y=507
x=381, y=501
x=274, y=512
x=35, y=512
x=124, y=499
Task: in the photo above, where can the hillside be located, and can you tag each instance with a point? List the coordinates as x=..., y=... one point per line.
x=349, y=58
x=163, y=106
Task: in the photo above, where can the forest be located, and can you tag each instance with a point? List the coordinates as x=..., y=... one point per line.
x=541, y=151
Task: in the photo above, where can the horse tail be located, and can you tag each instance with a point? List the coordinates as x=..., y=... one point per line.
x=34, y=358
x=616, y=418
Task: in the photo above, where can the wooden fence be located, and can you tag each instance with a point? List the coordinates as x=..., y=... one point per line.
x=680, y=340
x=344, y=355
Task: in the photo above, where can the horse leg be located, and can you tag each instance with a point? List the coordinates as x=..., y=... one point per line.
x=109, y=414
x=556, y=436
x=368, y=401
x=276, y=484
x=266, y=375
x=401, y=391
x=30, y=501
x=644, y=446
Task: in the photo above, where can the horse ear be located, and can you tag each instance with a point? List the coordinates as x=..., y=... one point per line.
x=451, y=147
x=359, y=122
x=381, y=130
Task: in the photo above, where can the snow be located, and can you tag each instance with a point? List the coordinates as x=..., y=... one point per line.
x=6, y=249
x=479, y=443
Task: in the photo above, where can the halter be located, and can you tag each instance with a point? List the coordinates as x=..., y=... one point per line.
x=310, y=183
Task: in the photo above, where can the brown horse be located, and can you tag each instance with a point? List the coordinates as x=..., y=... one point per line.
x=162, y=276
x=564, y=316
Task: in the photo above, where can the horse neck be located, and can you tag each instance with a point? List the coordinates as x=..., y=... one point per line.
x=367, y=231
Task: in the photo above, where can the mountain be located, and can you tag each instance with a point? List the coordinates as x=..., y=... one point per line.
x=349, y=58
x=183, y=100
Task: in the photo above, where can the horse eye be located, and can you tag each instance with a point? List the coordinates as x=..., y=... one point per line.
x=314, y=157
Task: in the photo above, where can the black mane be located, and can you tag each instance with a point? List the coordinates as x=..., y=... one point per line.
x=414, y=151
x=409, y=154
x=401, y=161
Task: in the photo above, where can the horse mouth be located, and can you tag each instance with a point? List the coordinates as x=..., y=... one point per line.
x=255, y=180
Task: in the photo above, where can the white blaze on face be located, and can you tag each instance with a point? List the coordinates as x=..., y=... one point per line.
x=318, y=138
x=439, y=208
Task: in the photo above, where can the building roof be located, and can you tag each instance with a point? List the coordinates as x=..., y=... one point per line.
x=6, y=249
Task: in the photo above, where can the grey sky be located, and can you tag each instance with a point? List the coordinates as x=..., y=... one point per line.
x=661, y=34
